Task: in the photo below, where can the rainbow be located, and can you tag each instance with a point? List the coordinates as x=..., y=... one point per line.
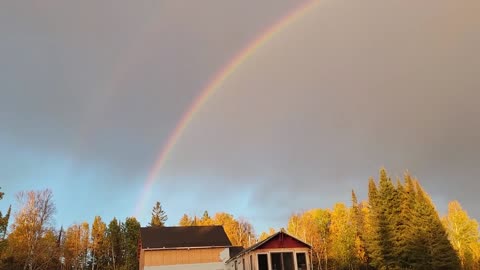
x=209, y=90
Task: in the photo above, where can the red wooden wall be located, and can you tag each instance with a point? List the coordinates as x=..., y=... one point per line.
x=282, y=241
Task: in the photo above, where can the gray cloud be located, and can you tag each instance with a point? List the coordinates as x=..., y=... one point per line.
x=97, y=88
x=348, y=89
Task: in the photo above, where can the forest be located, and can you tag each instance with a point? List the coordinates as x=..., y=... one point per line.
x=396, y=227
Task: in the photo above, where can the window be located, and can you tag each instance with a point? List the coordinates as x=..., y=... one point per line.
x=288, y=263
x=282, y=261
x=301, y=261
x=243, y=264
x=236, y=265
x=276, y=261
x=251, y=262
x=262, y=262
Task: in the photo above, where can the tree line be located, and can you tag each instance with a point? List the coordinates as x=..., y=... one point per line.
x=397, y=227
x=33, y=243
x=239, y=231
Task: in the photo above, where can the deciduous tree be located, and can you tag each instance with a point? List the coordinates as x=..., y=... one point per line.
x=99, y=244
x=265, y=235
x=463, y=234
x=342, y=237
x=185, y=221
x=31, y=232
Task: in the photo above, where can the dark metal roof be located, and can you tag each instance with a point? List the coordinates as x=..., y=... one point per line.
x=235, y=250
x=184, y=237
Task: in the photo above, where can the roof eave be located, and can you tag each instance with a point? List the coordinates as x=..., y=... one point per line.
x=178, y=248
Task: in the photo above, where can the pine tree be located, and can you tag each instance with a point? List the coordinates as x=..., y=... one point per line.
x=158, y=216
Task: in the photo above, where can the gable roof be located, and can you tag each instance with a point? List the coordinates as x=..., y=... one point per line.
x=261, y=243
x=183, y=237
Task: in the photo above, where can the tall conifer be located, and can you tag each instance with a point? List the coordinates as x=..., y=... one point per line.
x=373, y=237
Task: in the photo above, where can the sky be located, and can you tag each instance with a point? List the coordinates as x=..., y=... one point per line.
x=91, y=91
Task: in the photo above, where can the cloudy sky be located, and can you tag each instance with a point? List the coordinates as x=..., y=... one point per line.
x=90, y=92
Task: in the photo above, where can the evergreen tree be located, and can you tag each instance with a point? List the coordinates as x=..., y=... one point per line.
x=405, y=251
x=389, y=208
x=131, y=232
x=434, y=250
x=114, y=233
x=373, y=221
x=3, y=227
x=158, y=216
x=358, y=223
x=206, y=219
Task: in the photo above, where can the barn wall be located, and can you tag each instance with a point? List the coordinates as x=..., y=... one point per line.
x=182, y=256
x=198, y=266
x=283, y=242
x=142, y=258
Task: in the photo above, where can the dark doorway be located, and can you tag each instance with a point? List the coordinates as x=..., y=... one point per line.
x=262, y=262
x=282, y=261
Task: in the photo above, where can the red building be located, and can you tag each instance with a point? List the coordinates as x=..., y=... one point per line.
x=280, y=251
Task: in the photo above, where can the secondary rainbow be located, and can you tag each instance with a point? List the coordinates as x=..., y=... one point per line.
x=209, y=90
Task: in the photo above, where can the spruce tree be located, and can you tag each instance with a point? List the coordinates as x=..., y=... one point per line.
x=389, y=205
x=158, y=216
x=439, y=251
x=206, y=219
x=373, y=237
x=404, y=244
x=358, y=223
x=429, y=245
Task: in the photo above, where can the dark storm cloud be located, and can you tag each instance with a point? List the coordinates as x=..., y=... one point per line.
x=348, y=89
x=107, y=82
x=91, y=91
